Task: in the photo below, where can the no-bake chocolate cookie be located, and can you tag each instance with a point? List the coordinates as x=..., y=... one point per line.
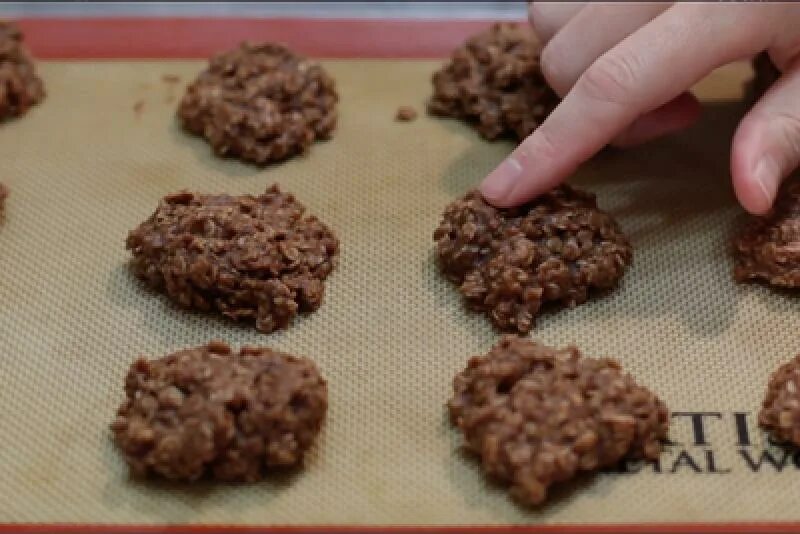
x=510, y=262
x=768, y=248
x=780, y=411
x=494, y=81
x=538, y=416
x=261, y=103
x=227, y=415
x=20, y=87
x=250, y=258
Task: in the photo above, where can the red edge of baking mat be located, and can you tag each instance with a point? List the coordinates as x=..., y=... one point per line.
x=654, y=528
x=181, y=38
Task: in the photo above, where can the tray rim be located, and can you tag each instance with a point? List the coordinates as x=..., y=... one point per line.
x=565, y=528
x=200, y=37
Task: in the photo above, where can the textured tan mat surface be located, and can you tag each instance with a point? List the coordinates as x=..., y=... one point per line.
x=84, y=168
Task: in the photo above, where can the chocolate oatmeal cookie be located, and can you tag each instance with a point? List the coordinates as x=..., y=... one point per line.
x=537, y=415
x=211, y=411
x=768, y=248
x=20, y=87
x=261, y=103
x=495, y=82
x=510, y=262
x=780, y=411
x=252, y=258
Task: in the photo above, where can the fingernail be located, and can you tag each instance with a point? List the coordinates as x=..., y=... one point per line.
x=499, y=184
x=767, y=174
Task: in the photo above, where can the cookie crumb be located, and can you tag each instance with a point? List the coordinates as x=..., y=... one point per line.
x=211, y=411
x=170, y=78
x=138, y=107
x=537, y=416
x=406, y=114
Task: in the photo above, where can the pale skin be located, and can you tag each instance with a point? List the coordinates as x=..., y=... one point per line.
x=624, y=70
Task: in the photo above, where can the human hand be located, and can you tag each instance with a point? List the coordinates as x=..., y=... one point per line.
x=623, y=71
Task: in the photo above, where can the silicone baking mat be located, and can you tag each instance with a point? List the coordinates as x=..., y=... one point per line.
x=93, y=160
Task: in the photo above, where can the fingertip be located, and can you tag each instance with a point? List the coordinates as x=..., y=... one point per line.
x=754, y=174
x=753, y=191
x=757, y=188
x=495, y=201
x=765, y=146
x=514, y=183
x=497, y=188
x=753, y=198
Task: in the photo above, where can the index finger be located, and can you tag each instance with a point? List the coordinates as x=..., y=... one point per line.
x=644, y=71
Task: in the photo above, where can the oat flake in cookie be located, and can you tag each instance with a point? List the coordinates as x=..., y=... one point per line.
x=261, y=103
x=768, y=248
x=20, y=87
x=495, y=82
x=250, y=258
x=537, y=416
x=211, y=411
x=780, y=411
x=510, y=262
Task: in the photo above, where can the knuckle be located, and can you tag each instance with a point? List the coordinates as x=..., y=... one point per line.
x=754, y=24
x=539, y=146
x=787, y=55
x=611, y=79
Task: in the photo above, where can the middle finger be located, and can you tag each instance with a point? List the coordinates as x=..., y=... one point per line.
x=547, y=18
x=592, y=32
